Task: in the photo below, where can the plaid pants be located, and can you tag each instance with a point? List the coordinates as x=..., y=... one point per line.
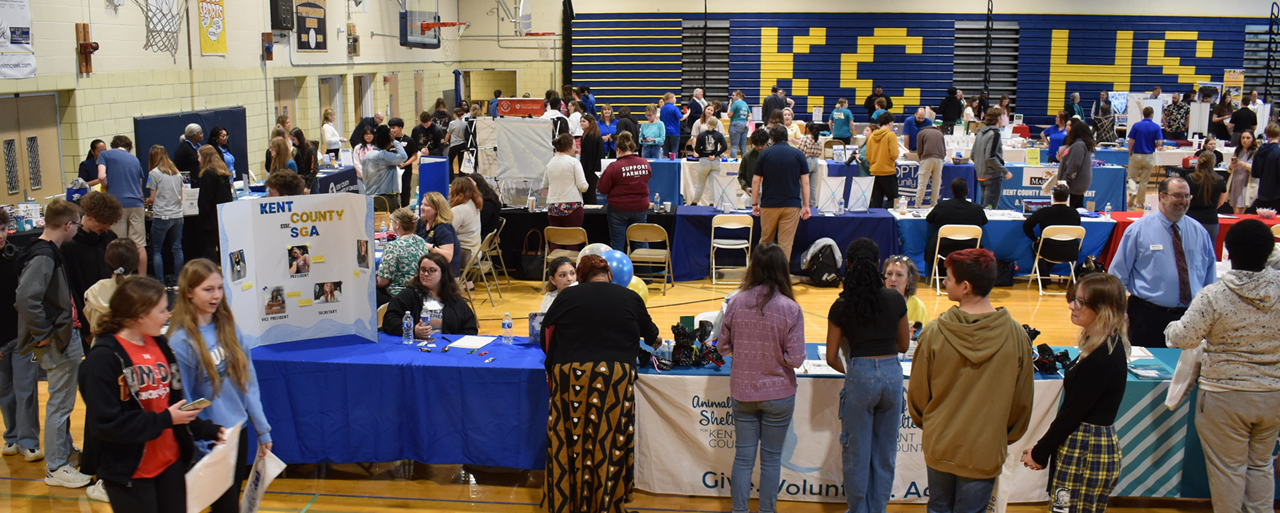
x=1087, y=469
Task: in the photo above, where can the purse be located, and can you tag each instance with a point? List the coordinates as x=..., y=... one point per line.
x=532, y=260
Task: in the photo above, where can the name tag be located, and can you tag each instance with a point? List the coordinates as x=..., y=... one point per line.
x=1157, y=247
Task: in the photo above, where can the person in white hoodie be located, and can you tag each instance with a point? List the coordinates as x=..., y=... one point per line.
x=1238, y=416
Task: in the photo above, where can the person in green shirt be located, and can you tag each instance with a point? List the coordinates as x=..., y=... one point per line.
x=841, y=121
x=739, y=116
x=746, y=168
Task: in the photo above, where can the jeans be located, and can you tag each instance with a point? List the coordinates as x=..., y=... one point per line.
x=813, y=180
x=651, y=151
x=18, y=400
x=671, y=145
x=701, y=176
x=990, y=196
x=737, y=139
x=166, y=232
x=870, y=413
x=619, y=220
x=951, y=493
x=62, y=369
x=762, y=424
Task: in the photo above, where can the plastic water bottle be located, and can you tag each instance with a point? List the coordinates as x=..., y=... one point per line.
x=1146, y=209
x=383, y=227
x=657, y=202
x=1108, y=211
x=506, y=328
x=406, y=337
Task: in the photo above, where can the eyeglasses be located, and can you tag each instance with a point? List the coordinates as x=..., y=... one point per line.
x=1077, y=303
x=428, y=272
x=1180, y=197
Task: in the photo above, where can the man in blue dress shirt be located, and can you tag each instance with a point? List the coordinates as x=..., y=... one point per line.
x=1163, y=260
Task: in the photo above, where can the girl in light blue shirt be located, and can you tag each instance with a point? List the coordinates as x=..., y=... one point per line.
x=652, y=134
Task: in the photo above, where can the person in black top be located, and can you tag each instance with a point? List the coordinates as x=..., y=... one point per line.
x=215, y=189
x=1243, y=120
x=1211, y=146
x=869, y=323
x=85, y=255
x=429, y=135
x=626, y=123
x=22, y=404
x=1208, y=192
x=954, y=210
x=1057, y=214
x=870, y=102
x=411, y=148
x=950, y=109
x=433, y=282
x=304, y=157
x=185, y=157
x=364, y=122
x=772, y=102
x=1082, y=441
x=592, y=152
x=89, y=167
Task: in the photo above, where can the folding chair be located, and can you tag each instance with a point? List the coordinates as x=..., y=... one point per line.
x=561, y=236
x=650, y=233
x=1059, y=252
x=957, y=233
x=382, y=312
x=730, y=222
x=479, y=265
x=497, y=252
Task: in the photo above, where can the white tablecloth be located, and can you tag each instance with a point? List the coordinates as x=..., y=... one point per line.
x=687, y=185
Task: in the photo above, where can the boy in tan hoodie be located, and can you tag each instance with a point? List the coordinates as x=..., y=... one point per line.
x=970, y=388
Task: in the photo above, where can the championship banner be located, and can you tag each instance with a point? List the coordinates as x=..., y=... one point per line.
x=299, y=267
x=17, y=58
x=685, y=443
x=213, y=31
x=311, y=26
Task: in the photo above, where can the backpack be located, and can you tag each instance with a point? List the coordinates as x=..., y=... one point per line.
x=559, y=125
x=822, y=263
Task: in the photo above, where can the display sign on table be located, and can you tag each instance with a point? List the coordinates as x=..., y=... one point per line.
x=299, y=267
x=342, y=180
x=520, y=107
x=1028, y=183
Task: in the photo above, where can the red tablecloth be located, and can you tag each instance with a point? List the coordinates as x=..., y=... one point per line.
x=1124, y=219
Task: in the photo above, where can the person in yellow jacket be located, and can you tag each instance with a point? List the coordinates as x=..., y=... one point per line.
x=971, y=387
x=882, y=154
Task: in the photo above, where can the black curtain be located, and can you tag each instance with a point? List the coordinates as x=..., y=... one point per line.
x=566, y=69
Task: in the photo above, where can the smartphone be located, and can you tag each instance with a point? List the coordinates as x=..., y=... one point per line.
x=197, y=404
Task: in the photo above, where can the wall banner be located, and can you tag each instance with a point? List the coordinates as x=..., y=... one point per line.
x=312, y=35
x=17, y=58
x=213, y=30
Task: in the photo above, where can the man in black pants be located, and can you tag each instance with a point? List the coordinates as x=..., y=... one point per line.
x=954, y=210
x=1266, y=169
x=411, y=149
x=1057, y=214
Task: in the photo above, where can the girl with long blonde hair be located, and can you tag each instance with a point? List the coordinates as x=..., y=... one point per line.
x=215, y=359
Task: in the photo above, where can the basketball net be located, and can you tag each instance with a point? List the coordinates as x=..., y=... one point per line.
x=164, y=24
x=449, y=38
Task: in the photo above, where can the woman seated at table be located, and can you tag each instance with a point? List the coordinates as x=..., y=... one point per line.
x=900, y=274
x=593, y=332
x=1081, y=446
x=1211, y=146
x=400, y=257
x=435, y=226
x=432, y=286
x=561, y=275
x=465, y=200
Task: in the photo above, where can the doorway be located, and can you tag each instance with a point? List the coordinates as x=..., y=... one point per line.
x=393, y=95
x=30, y=149
x=286, y=100
x=419, y=95
x=364, y=96
x=331, y=98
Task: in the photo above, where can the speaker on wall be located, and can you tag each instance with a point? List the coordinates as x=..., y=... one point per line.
x=281, y=14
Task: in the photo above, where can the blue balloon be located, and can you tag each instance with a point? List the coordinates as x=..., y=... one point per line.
x=620, y=265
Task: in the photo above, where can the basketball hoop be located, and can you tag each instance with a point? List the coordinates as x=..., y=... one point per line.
x=544, y=43
x=164, y=24
x=450, y=34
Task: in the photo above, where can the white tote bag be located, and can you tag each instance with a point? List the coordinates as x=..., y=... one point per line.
x=265, y=469
x=1184, y=376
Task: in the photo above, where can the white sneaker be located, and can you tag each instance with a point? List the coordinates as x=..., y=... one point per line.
x=97, y=492
x=66, y=477
x=10, y=450
x=32, y=454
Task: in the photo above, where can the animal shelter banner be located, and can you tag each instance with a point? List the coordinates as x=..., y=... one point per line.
x=299, y=267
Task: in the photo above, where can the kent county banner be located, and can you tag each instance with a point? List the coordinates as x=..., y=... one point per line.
x=213, y=30
x=685, y=443
x=299, y=267
x=17, y=58
x=1108, y=186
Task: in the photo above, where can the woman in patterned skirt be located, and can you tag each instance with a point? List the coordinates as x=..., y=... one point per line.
x=1082, y=439
x=591, y=333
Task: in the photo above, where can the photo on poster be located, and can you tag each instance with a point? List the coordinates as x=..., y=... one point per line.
x=238, y=265
x=328, y=292
x=362, y=253
x=299, y=260
x=274, y=301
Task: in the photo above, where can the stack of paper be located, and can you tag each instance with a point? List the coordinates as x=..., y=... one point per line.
x=471, y=342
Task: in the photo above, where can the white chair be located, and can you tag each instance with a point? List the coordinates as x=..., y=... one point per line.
x=730, y=222
x=1064, y=234
x=960, y=233
x=562, y=236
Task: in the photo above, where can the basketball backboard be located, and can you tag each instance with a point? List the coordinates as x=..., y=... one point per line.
x=415, y=14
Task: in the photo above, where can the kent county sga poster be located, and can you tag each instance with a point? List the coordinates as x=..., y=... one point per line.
x=299, y=267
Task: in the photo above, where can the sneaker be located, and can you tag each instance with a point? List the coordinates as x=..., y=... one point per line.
x=74, y=457
x=10, y=450
x=32, y=454
x=66, y=477
x=97, y=492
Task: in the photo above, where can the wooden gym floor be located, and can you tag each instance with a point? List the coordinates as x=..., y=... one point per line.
x=446, y=488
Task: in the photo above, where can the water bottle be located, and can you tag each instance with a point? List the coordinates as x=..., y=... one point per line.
x=383, y=228
x=657, y=202
x=1108, y=211
x=406, y=337
x=840, y=207
x=506, y=328
x=1146, y=209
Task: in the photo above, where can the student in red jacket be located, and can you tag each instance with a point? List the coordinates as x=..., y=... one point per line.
x=626, y=182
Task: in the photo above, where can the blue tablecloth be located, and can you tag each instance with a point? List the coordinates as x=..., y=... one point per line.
x=433, y=175
x=691, y=250
x=1116, y=156
x=1004, y=238
x=907, y=173
x=1108, y=186
x=665, y=181
x=341, y=180
x=345, y=400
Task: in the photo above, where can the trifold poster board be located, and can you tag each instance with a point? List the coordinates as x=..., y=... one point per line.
x=299, y=267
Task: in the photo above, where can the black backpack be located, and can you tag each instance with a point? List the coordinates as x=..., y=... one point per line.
x=822, y=268
x=559, y=125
